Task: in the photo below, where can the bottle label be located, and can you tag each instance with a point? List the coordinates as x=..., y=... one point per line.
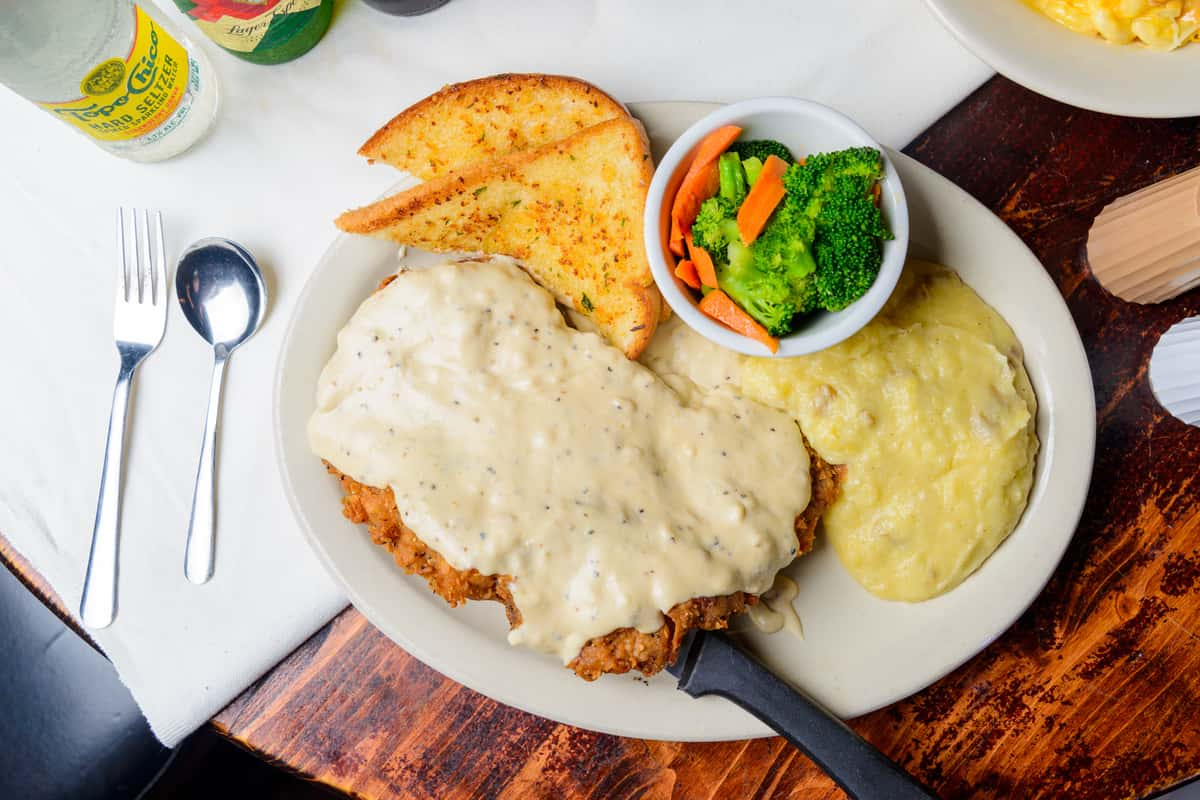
x=242, y=25
x=128, y=98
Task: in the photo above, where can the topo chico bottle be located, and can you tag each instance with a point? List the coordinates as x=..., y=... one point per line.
x=111, y=70
x=261, y=31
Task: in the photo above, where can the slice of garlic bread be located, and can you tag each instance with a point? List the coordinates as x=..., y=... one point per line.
x=569, y=211
x=486, y=118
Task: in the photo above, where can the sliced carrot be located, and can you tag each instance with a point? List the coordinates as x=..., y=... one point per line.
x=764, y=196
x=703, y=262
x=686, y=272
x=877, y=192
x=675, y=242
x=700, y=182
x=717, y=305
x=713, y=145
x=698, y=185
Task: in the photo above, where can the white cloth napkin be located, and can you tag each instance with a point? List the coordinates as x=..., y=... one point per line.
x=278, y=165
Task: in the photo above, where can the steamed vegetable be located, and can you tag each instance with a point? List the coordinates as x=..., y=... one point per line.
x=707, y=230
x=699, y=183
x=732, y=179
x=785, y=249
x=704, y=263
x=717, y=305
x=753, y=168
x=769, y=297
x=772, y=279
x=779, y=238
x=835, y=191
x=761, y=149
x=686, y=271
x=759, y=204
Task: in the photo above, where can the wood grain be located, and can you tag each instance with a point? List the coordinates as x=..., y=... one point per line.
x=1093, y=693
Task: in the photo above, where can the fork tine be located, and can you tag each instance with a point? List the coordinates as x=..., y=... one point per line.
x=122, y=282
x=146, y=263
x=135, y=286
x=160, y=267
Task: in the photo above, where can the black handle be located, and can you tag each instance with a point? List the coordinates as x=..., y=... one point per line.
x=716, y=666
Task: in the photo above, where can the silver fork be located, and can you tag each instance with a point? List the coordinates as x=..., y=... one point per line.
x=139, y=319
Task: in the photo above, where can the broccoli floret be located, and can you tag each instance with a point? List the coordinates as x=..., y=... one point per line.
x=810, y=183
x=849, y=241
x=805, y=191
x=783, y=248
x=773, y=280
x=730, y=231
x=792, y=215
x=766, y=296
x=833, y=190
x=707, y=230
x=850, y=207
x=739, y=256
x=733, y=179
x=761, y=149
x=866, y=162
x=847, y=264
x=805, y=293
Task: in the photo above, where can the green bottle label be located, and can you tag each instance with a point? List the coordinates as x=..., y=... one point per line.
x=263, y=31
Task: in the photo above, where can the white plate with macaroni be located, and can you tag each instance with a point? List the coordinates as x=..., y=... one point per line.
x=1080, y=69
x=859, y=652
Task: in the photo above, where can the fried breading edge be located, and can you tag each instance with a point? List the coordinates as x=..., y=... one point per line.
x=617, y=652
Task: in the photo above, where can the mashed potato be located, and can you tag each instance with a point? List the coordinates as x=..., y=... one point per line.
x=931, y=410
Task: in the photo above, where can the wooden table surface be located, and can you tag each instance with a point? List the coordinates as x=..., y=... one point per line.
x=1093, y=693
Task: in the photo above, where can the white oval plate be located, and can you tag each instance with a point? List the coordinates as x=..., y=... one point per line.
x=1040, y=54
x=859, y=652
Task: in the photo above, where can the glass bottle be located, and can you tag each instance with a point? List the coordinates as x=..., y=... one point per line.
x=261, y=31
x=406, y=8
x=110, y=69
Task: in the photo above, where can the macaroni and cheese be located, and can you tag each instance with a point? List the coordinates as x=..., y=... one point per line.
x=1158, y=24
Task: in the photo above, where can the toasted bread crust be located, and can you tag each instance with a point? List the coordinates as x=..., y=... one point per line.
x=486, y=118
x=620, y=651
x=570, y=211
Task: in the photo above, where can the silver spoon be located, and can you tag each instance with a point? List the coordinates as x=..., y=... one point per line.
x=222, y=294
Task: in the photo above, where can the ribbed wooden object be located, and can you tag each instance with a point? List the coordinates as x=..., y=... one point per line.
x=1145, y=246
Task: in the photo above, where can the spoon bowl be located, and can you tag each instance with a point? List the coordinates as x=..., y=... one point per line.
x=221, y=292
x=223, y=296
